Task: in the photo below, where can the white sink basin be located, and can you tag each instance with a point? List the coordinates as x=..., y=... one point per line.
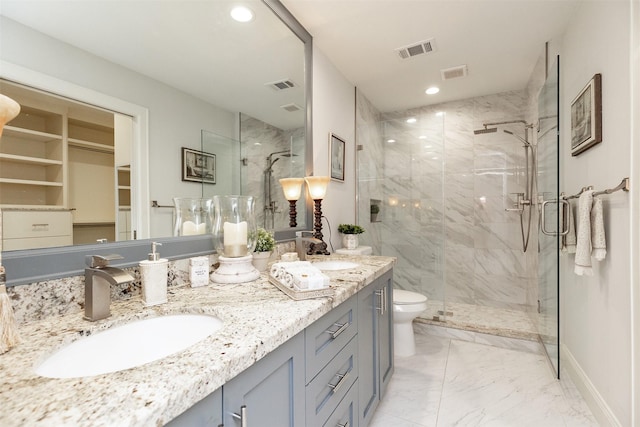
x=132, y=344
x=335, y=265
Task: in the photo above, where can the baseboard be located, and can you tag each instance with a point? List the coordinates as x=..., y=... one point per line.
x=590, y=394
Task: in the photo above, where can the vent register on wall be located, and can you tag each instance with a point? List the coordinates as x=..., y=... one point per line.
x=61, y=180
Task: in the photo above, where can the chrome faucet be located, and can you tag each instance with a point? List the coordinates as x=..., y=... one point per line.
x=301, y=246
x=98, y=278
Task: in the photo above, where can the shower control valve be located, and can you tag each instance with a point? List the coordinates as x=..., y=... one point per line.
x=518, y=204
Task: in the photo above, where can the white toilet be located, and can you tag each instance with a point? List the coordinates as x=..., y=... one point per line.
x=407, y=306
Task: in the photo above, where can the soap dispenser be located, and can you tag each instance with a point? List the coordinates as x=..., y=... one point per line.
x=153, y=272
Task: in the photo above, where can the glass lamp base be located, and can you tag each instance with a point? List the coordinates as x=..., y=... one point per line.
x=235, y=270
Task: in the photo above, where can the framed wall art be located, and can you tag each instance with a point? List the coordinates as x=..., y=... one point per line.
x=586, y=117
x=336, y=157
x=198, y=166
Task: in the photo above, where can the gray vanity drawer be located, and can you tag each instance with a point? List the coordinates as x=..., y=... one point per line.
x=331, y=385
x=326, y=336
x=346, y=414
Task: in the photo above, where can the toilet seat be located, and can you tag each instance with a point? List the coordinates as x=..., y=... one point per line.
x=402, y=297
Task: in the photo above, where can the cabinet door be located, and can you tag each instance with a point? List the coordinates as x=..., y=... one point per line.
x=206, y=413
x=385, y=332
x=375, y=344
x=270, y=393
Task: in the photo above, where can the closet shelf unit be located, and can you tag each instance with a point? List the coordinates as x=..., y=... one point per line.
x=32, y=158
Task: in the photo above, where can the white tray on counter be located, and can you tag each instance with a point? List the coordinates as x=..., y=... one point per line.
x=301, y=294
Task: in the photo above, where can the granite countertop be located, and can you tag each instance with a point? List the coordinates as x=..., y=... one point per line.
x=257, y=318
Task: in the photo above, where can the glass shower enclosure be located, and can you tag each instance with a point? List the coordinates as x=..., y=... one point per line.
x=552, y=218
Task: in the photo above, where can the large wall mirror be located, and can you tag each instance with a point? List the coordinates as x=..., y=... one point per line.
x=154, y=77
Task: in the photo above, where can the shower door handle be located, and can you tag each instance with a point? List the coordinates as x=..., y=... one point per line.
x=565, y=222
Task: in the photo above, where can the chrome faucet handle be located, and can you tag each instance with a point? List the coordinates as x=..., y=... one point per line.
x=100, y=261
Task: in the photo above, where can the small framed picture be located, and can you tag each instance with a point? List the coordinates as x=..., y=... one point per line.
x=198, y=166
x=586, y=117
x=336, y=157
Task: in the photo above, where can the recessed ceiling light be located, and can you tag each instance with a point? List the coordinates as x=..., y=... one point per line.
x=391, y=141
x=432, y=90
x=422, y=137
x=412, y=120
x=440, y=114
x=242, y=14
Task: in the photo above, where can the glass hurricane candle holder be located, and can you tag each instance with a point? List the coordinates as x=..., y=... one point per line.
x=234, y=233
x=192, y=216
x=235, y=226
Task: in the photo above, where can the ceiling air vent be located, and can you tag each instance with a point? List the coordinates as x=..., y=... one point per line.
x=281, y=84
x=415, y=49
x=291, y=107
x=454, y=72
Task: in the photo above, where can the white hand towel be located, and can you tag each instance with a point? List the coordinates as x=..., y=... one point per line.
x=583, y=240
x=570, y=237
x=598, y=241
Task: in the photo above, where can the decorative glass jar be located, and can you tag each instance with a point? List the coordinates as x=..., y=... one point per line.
x=235, y=227
x=193, y=216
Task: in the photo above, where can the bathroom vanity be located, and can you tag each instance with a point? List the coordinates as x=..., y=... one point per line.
x=294, y=362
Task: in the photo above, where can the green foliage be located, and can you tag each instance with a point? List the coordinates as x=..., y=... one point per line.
x=375, y=209
x=350, y=229
x=265, y=241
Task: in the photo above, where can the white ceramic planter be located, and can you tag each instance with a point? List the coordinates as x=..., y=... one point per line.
x=350, y=241
x=261, y=260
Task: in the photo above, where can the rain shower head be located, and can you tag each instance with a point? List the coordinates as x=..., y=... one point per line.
x=485, y=130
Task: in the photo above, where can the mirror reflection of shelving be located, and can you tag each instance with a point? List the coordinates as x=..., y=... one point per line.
x=31, y=160
x=57, y=162
x=123, y=176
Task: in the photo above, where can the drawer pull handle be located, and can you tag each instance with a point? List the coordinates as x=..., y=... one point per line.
x=346, y=424
x=242, y=417
x=337, y=385
x=40, y=227
x=341, y=329
x=383, y=300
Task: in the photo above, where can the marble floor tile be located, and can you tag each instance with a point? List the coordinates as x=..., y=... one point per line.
x=457, y=383
x=414, y=392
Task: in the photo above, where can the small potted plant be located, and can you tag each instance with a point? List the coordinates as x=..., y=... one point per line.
x=265, y=242
x=350, y=235
x=375, y=210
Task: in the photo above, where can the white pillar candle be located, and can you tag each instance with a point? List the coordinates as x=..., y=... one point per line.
x=190, y=228
x=235, y=239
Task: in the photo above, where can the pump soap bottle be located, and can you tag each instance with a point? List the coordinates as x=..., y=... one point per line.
x=153, y=272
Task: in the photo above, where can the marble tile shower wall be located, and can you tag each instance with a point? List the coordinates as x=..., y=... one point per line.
x=370, y=166
x=258, y=140
x=444, y=198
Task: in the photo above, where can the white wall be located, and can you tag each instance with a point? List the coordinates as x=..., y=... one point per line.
x=596, y=311
x=635, y=205
x=334, y=111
